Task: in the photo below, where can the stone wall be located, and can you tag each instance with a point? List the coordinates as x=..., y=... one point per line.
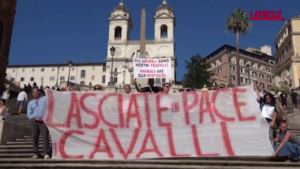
x=7, y=15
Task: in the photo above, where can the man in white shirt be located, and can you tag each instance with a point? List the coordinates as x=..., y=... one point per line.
x=22, y=97
x=6, y=94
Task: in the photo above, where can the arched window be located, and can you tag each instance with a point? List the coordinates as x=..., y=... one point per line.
x=62, y=78
x=22, y=79
x=82, y=74
x=1, y=32
x=72, y=78
x=32, y=79
x=118, y=32
x=103, y=79
x=115, y=80
x=164, y=31
x=93, y=77
x=82, y=83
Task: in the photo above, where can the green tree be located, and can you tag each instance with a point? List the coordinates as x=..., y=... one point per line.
x=198, y=72
x=285, y=88
x=238, y=23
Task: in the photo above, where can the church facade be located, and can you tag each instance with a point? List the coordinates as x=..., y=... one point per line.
x=162, y=46
x=120, y=25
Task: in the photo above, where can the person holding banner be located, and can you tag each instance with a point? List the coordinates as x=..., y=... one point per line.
x=150, y=88
x=268, y=111
x=35, y=112
x=127, y=89
x=166, y=88
x=98, y=87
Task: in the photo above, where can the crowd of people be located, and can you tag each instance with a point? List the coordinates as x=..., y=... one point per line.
x=273, y=108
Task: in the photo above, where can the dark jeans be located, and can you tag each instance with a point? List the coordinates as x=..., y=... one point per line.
x=37, y=128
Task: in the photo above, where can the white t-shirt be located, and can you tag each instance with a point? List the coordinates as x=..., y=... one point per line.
x=279, y=93
x=4, y=114
x=5, y=96
x=268, y=111
x=22, y=96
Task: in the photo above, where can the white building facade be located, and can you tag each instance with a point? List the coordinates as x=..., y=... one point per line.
x=52, y=74
x=120, y=25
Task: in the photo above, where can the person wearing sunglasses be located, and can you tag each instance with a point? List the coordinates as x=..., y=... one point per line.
x=35, y=112
x=166, y=88
x=150, y=88
x=98, y=88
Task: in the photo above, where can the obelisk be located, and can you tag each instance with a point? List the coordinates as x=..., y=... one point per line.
x=143, y=81
x=143, y=33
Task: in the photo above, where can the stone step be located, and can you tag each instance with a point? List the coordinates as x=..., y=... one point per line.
x=19, y=146
x=16, y=155
x=17, y=118
x=128, y=166
x=16, y=143
x=28, y=139
x=143, y=164
x=25, y=150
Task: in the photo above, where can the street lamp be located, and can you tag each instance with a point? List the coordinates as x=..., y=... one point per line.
x=230, y=84
x=248, y=72
x=56, y=85
x=112, y=52
x=70, y=63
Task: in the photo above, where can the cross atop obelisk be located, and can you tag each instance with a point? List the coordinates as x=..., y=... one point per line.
x=143, y=33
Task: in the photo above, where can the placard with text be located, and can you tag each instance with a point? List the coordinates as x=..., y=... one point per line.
x=152, y=68
x=99, y=125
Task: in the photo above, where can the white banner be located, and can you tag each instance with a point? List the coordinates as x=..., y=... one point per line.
x=152, y=68
x=98, y=125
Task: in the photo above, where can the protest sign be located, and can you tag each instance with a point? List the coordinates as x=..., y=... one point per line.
x=98, y=125
x=152, y=68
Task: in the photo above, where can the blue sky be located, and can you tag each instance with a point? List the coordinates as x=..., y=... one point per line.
x=51, y=31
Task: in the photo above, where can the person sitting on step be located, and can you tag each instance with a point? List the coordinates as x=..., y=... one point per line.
x=288, y=146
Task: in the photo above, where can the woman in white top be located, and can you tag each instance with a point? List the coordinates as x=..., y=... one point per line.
x=269, y=112
x=3, y=110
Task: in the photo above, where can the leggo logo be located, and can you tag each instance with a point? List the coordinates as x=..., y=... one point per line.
x=266, y=15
